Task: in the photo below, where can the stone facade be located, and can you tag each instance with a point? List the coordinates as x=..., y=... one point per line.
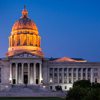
x=49, y=73
x=66, y=73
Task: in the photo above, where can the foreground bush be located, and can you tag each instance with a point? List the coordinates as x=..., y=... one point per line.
x=84, y=90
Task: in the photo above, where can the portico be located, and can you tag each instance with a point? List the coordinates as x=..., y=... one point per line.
x=25, y=73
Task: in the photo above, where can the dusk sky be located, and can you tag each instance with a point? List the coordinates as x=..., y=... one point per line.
x=68, y=28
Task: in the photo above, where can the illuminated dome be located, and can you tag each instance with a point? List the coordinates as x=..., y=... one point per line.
x=24, y=23
x=24, y=37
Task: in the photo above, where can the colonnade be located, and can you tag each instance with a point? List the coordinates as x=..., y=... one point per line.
x=70, y=75
x=25, y=73
x=24, y=40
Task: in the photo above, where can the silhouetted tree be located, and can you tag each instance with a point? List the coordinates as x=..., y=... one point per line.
x=82, y=83
x=76, y=93
x=84, y=90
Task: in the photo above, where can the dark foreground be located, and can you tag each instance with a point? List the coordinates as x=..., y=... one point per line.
x=31, y=98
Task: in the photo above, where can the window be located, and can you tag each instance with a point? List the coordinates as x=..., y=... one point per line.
x=51, y=87
x=65, y=80
x=65, y=69
x=60, y=69
x=84, y=69
x=74, y=79
x=60, y=74
x=70, y=80
x=51, y=69
x=65, y=87
x=89, y=69
x=79, y=74
x=95, y=74
x=95, y=80
x=69, y=74
x=79, y=69
x=74, y=74
x=70, y=69
x=55, y=74
x=60, y=80
x=88, y=74
x=55, y=80
x=51, y=75
x=65, y=74
x=84, y=74
x=55, y=69
x=74, y=69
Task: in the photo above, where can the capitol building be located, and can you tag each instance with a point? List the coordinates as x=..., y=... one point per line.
x=25, y=62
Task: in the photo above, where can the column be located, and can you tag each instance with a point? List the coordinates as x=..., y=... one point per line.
x=58, y=74
x=67, y=76
x=22, y=72
x=76, y=74
x=10, y=78
x=16, y=73
x=72, y=76
x=63, y=75
x=86, y=73
x=28, y=73
x=91, y=75
x=40, y=72
x=34, y=73
x=81, y=73
x=27, y=39
x=53, y=76
x=31, y=73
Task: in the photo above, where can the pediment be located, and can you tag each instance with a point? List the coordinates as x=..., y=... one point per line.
x=66, y=59
x=25, y=55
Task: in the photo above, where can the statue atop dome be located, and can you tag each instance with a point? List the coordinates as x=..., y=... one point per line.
x=24, y=12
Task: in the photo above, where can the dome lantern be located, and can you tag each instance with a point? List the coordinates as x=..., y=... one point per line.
x=24, y=23
x=24, y=12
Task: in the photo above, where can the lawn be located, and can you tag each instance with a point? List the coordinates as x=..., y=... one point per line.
x=31, y=98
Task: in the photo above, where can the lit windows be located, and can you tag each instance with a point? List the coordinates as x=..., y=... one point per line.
x=95, y=74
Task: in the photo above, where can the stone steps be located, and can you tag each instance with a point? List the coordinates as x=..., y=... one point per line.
x=30, y=91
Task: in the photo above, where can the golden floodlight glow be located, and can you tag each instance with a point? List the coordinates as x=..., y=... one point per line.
x=24, y=37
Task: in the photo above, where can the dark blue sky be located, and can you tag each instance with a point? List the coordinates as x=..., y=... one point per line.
x=68, y=27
